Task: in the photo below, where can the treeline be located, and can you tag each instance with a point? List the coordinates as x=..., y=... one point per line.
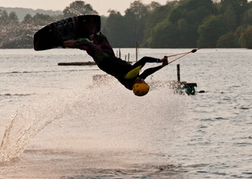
x=15, y=34
x=178, y=24
x=182, y=24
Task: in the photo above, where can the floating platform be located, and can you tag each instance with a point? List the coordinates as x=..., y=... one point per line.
x=184, y=87
x=189, y=88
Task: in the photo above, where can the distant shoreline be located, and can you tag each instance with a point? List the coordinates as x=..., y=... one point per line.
x=22, y=12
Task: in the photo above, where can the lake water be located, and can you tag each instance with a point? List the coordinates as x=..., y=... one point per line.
x=75, y=122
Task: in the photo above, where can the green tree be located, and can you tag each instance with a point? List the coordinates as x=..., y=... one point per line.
x=115, y=29
x=4, y=17
x=210, y=31
x=157, y=15
x=13, y=18
x=185, y=34
x=230, y=43
x=232, y=12
x=195, y=13
x=238, y=8
x=135, y=19
x=78, y=8
x=247, y=17
x=245, y=41
x=103, y=22
x=27, y=19
x=153, y=6
x=182, y=23
x=230, y=19
x=164, y=34
x=239, y=2
x=41, y=19
x=57, y=17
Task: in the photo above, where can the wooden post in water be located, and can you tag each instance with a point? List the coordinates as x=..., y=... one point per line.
x=178, y=72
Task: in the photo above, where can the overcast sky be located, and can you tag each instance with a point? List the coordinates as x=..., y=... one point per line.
x=102, y=6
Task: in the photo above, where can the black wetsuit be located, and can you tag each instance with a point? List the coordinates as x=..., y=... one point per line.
x=119, y=68
x=103, y=54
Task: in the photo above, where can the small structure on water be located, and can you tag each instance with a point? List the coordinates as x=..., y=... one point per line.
x=184, y=87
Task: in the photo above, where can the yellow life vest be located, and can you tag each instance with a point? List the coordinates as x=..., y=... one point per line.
x=133, y=73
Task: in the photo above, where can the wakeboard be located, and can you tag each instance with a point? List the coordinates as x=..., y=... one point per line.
x=72, y=28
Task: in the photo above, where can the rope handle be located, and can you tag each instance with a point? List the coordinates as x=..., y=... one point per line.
x=195, y=50
x=183, y=54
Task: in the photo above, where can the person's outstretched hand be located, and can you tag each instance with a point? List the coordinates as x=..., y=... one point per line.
x=164, y=60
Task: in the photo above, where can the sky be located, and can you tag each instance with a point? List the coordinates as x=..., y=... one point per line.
x=102, y=6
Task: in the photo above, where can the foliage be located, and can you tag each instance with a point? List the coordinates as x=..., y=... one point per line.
x=177, y=24
x=157, y=15
x=20, y=35
x=114, y=28
x=210, y=30
x=231, y=43
x=135, y=20
x=181, y=25
x=78, y=8
x=245, y=41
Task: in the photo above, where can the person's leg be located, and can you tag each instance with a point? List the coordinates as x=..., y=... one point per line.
x=93, y=50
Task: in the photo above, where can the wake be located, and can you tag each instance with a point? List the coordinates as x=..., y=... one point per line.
x=105, y=111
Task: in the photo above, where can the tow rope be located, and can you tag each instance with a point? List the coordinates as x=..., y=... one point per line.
x=195, y=50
